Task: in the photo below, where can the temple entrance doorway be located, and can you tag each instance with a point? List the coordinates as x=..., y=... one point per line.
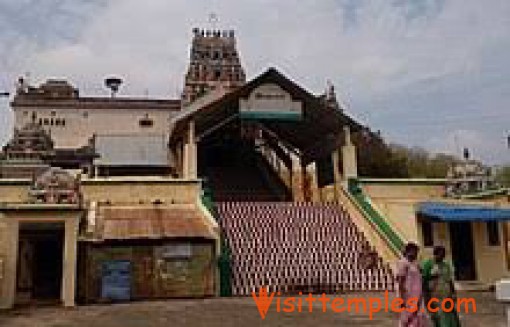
x=40, y=263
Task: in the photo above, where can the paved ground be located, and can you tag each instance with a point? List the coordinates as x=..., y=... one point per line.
x=221, y=312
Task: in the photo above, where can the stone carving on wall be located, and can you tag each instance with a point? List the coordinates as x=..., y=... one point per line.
x=56, y=186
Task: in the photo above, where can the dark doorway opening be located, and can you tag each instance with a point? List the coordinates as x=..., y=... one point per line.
x=40, y=262
x=461, y=237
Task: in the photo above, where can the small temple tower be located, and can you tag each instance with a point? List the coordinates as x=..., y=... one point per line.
x=214, y=62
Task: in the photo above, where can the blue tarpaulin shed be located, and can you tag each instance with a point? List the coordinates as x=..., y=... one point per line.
x=461, y=212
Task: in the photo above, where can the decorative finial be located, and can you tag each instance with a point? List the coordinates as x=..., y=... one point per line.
x=21, y=85
x=330, y=90
x=330, y=85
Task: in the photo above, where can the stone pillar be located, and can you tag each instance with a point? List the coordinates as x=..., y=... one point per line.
x=350, y=166
x=286, y=173
x=190, y=153
x=69, y=262
x=10, y=265
x=337, y=177
x=297, y=183
x=179, y=159
x=311, y=172
x=185, y=160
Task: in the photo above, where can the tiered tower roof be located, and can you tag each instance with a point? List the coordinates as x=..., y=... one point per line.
x=214, y=62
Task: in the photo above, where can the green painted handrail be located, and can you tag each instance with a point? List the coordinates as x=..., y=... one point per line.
x=225, y=258
x=396, y=242
x=207, y=201
x=485, y=193
x=225, y=267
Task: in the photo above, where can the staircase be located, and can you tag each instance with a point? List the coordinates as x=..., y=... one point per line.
x=297, y=247
x=245, y=178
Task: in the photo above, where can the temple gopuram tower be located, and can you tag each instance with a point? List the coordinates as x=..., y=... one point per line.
x=214, y=62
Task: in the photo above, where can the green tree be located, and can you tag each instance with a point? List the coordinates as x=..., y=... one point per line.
x=503, y=176
x=381, y=160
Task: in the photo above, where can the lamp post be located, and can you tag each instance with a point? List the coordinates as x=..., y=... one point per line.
x=4, y=94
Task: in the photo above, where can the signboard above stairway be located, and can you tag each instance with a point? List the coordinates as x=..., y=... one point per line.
x=270, y=101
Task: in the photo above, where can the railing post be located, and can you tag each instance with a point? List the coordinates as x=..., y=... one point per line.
x=297, y=183
x=350, y=165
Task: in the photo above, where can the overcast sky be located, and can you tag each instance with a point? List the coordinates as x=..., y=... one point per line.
x=429, y=73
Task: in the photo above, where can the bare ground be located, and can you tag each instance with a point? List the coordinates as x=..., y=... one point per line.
x=223, y=312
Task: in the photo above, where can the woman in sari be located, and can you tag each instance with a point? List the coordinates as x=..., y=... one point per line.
x=410, y=287
x=438, y=283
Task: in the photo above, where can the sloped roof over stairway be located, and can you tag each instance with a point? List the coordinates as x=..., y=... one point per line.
x=318, y=132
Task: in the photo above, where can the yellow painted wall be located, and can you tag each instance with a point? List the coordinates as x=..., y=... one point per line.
x=401, y=216
x=13, y=191
x=4, y=249
x=441, y=237
x=108, y=121
x=491, y=264
x=490, y=260
x=327, y=193
x=117, y=190
x=375, y=239
x=410, y=190
x=397, y=203
x=145, y=190
x=9, y=224
x=7, y=269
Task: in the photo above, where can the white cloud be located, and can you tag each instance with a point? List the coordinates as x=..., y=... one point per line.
x=393, y=61
x=478, y=144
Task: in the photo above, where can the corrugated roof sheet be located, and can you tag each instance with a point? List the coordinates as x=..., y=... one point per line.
x=132, y=150
x=178, y=221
